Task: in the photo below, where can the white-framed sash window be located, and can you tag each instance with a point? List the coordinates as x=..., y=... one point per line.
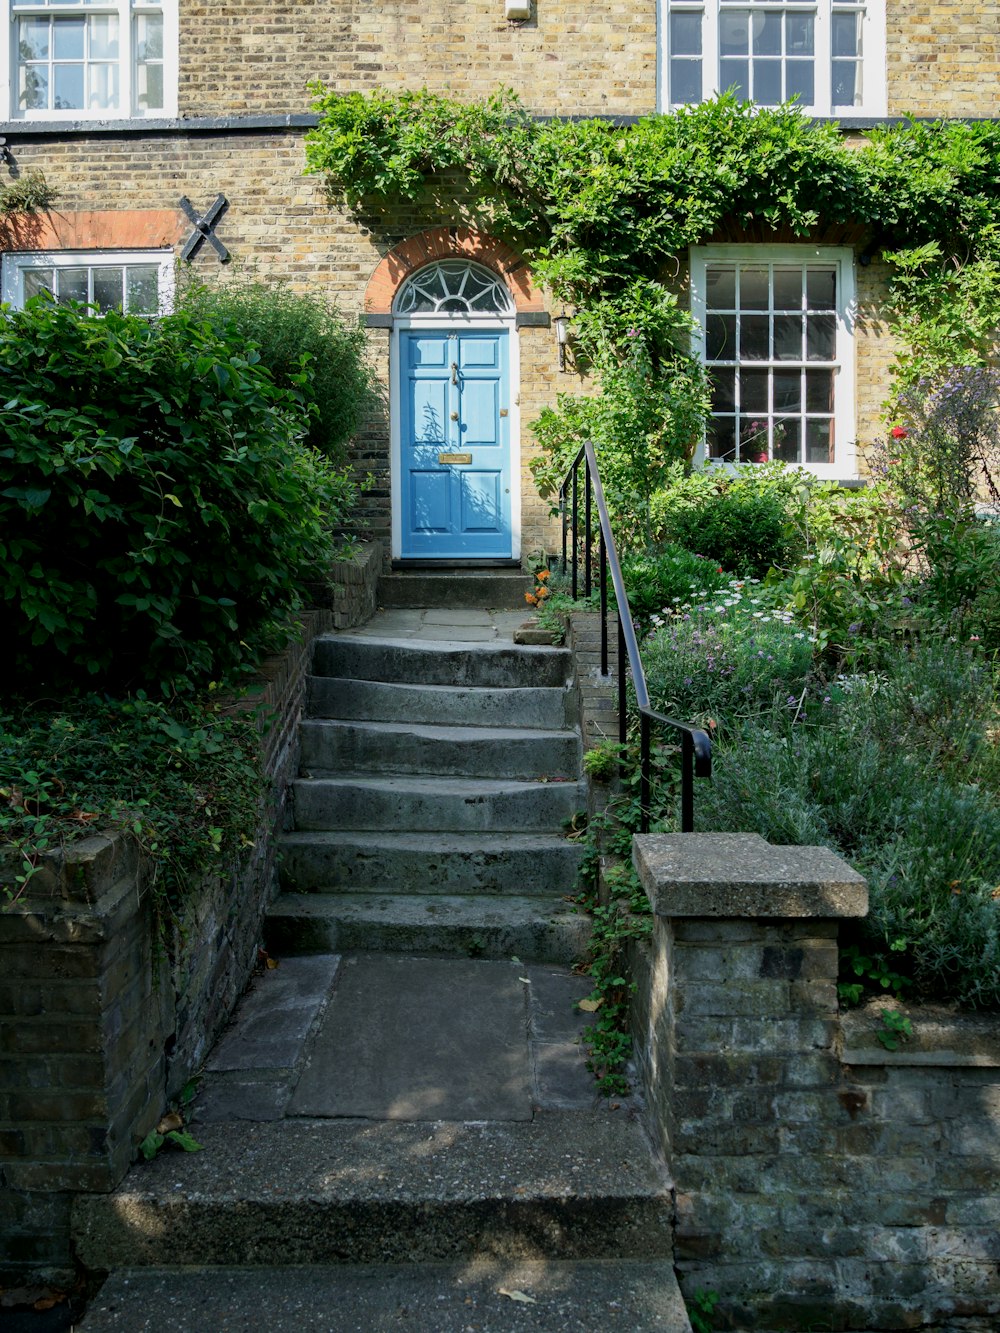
x=776, y=334
x=89, y=59
x=140, y=282
x=827, y=54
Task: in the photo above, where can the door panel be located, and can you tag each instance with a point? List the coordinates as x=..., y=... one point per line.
x=455, y=400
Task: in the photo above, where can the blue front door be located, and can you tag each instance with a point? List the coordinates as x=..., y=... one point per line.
x=455, y=438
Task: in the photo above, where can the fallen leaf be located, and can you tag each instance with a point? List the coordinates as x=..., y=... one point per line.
x=589, y=1006
x=517, y=1296
x=170, y=1122
x=526, y=980
x=272, y=962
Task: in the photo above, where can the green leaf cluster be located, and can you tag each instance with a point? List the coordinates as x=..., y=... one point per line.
x=159, y=510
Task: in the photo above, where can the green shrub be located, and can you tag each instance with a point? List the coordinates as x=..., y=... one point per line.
x=159, y=512
x=293, y=332
x=659, y=581
x=725, y=655
x=741, y=527
x=182, y=778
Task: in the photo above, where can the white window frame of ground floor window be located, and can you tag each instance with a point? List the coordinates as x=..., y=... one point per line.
x=874, y=90
x=16, y=264
x=128, y=13
x=463, y=323
x=844, y=466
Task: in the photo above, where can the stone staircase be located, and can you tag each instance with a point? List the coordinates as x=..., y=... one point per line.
x=436, y=782
x=398, y=1130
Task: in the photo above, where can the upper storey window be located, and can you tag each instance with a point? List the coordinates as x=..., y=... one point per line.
x=101, y=59
x=829, y=54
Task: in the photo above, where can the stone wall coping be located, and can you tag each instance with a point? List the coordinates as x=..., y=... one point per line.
x=939, y=1037
x=81, y=872
x=742, y=875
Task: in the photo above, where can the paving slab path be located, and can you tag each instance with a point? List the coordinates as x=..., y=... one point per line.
x=398, y=1128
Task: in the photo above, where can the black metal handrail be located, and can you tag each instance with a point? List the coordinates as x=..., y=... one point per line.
x=696, y=744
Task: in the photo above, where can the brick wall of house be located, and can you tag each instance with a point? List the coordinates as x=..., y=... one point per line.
x=569, y=58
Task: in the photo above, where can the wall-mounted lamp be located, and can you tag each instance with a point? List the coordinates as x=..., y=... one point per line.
x=562, y=332
x=516, y=11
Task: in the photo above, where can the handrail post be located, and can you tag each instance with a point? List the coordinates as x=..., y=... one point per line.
x=622, y=690
x=604, y=606
x=687, y=783
x=565, y=524
x=576, y=515
x=645, y=764
x=587, y=521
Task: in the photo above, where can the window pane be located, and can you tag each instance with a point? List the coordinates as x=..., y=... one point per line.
x=149, y=37
x=67, y=87
x=754, y=342
x=104, y=37
x=721, y=284
x=37, y=280
x=819, y=441
x=72, y=284
x=107, y=288
x=819, y=390
x=754, y=289
x=821, y=338
x=33, y=90
x=33, y=39
x=787, y=434
x=821, y=288
x=753, y=439
x=685, y=81
x=142, y=296
x=767, y=82
x=685, y=34
x=788, y=337
x=787, y=391
x=103, y=94
x=845, y=35
x=799, y=82
x=767, y=34
x=799, y=35
x=720, y=437
x=753, y=390
x=720, y=338
x=67, y=39
x=735, y=75
x=788, y=288
x=723, y=391
x=734, y=33
x=846, y=84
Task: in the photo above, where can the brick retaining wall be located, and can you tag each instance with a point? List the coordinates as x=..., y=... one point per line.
x=822, y=1182
x=98, y=1027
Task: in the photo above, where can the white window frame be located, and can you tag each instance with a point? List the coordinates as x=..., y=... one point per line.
x=127, y=12
x=15, y=265
x=873, y=51
x=845, y=461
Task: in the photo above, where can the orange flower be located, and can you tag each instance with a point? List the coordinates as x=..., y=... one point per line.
x=531, y=598
x=542, y=575
x=542, y=592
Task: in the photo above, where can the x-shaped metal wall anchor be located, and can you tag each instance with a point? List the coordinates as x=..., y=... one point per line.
x=204, y=228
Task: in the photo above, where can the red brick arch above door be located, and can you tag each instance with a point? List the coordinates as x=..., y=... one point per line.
x=451, y=243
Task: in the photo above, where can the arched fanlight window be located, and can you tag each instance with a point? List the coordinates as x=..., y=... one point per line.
x=453, y=287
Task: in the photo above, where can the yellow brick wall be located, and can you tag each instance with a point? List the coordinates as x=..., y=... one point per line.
x=569, y=57
x=943, y=58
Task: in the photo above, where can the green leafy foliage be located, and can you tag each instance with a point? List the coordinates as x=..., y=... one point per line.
x=183, y=778
x=735, y=521
x=29, y=193
x=306, y=345
x=660, y=580
x=159, y=511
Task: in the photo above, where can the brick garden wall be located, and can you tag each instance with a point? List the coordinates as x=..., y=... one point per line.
x=98, y=1027
x=821, y=1181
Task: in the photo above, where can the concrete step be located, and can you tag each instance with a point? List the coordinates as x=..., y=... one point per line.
x=549, y=709
x=564, y=1185
x=491, y=589
x=329, y=747
x=500, y=863
x=484, y=665
x=560, y=1297
x=434, y=804
x=535, y=929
